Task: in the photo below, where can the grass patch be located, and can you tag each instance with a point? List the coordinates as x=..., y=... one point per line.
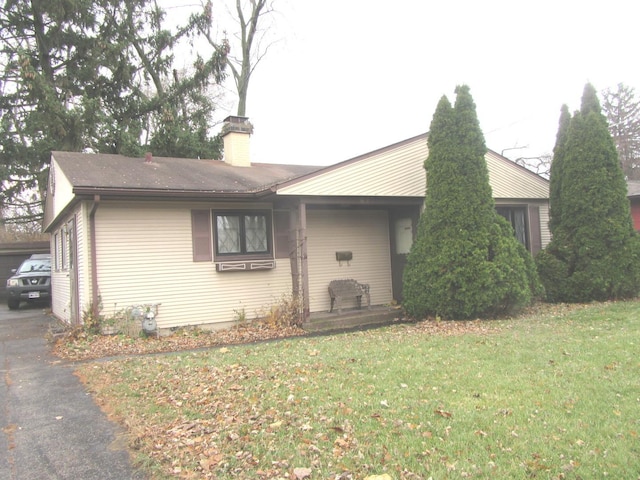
x=544, y=396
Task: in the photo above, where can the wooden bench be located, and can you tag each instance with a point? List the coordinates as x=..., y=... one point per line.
x=349, y=288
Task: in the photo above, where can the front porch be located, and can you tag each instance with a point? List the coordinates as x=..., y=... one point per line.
x=352, y=318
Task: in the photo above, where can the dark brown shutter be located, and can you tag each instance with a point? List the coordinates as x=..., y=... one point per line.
x=281, y=233
x=201, y=235
x=534, y=229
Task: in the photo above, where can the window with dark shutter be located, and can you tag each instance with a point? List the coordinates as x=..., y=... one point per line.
x=201, y=235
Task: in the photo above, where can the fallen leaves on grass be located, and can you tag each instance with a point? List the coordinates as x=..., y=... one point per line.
x=211, y=415
x=198, y=427
x=457, y=327
x=443, y=413
x=301, y=473
x=82, y=346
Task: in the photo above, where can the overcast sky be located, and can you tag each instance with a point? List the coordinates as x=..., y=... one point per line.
x=350, y=76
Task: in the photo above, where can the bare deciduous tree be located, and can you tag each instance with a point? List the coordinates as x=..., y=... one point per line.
x=248, y=44
x=251, y=48
x=623, y=114
x=540, y=164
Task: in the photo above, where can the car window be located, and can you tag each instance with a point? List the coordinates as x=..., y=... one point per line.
x=35, y=265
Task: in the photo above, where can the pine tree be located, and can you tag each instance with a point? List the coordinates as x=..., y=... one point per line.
x=82, y=75
x=555, y=205
x=465, y=261
x=594, y=253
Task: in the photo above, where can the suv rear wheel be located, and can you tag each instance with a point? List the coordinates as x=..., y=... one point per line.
x=13, y=304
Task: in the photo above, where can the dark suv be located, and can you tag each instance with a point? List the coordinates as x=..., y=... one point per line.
x=31, y=282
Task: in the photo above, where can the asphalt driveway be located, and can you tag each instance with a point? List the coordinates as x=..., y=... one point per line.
x=51, y=428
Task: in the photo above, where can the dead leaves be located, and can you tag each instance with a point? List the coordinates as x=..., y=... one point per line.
x=454, y=327
x=76, y=346
x=85, y=347
x=442, y=413
x=231, y=416
x=301, y=473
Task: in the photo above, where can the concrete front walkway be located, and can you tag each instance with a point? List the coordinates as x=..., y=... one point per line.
x=51, y=428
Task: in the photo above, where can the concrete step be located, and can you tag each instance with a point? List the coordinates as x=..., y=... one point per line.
x=351, y=319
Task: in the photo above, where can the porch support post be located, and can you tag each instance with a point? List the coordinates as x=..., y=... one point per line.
x=304, y=265
x=293, y=252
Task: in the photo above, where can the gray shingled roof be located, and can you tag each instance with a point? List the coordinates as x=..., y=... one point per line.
x=105, y=171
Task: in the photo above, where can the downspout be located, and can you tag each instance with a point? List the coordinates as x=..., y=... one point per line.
x=95, y=295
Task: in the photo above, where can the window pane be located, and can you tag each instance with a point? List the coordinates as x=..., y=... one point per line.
x=70, y=239
x=228, y=234
x=517, y=219
x=63, y=247
x=519, y=226
x=404, y=235
x=255, y=227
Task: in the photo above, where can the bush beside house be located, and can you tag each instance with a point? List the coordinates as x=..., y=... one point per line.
x=465, y=261
x=594, y=253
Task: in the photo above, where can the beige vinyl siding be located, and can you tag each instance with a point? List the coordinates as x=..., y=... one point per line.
x=509, y=180
x=395, y=172
x=363, y=232
x=398, y=171
x=63, y=189
x=60, y=294
x=145, y=256
x=84, y=284
x=60, y=278
x=544, y=223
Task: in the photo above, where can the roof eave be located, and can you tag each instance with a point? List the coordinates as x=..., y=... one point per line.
x=125, y=193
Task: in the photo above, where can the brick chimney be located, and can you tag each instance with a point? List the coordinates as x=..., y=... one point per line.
x=236, y=132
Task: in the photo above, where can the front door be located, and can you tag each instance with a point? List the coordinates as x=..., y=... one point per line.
x=403, y=225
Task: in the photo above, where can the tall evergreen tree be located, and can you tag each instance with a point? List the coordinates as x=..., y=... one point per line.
x=465, y=261
x=555, y=206
x=594, y=253
x=97, y=75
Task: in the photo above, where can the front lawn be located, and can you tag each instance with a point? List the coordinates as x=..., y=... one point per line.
x=553, y=395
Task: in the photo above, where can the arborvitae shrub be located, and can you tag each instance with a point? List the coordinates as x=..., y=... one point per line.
x=466, y=261
x=594, y=253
